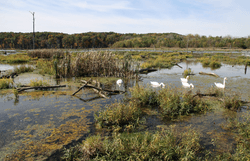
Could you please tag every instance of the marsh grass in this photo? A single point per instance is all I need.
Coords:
(173, 103)
(96, 64)
(232, 102)
(46, 53)
(36, 83)
(23, 69)
(119, 115)
(165, 144)
(241, 128)
(187, 72)
(6, 83)
(15, 58)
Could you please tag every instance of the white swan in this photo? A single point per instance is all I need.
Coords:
(185, 84)
(185, 79)
(119, 82)
(219, 85)
(156, 84)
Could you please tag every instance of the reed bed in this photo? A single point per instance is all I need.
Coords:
(97, 64)
(46, 53)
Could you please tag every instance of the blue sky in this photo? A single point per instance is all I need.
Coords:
(202, 17)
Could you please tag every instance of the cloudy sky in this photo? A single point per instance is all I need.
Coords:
(203, 17)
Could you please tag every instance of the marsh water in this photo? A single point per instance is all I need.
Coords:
(34, 116)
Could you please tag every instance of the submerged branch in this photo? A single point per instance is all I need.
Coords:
(40, 87)
(212, 74)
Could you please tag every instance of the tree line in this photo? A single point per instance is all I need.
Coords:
(53, 40)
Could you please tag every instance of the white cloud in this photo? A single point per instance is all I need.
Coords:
(127, 17)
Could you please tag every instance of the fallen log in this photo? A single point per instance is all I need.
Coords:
(99, 90)
(212, 74)
(201, 95)
(79, 89)
(40, 87)
(147, 70)
(177, 65)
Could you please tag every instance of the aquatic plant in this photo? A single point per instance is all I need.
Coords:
(241, 128)
(165, 144)
(46, 53)
(23, 69)
(232, 102)
(173, 103)
(15, 58)
(143, 96)
(6, 83)
(118, 115)
(187, 72)
(36, 82)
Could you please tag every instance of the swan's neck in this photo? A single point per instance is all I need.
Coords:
(224, 82)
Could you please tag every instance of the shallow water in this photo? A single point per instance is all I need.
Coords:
(35, 115)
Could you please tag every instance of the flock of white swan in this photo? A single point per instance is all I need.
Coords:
(184, 82)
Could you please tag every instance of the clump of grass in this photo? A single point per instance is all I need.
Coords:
(6, 83)
(173, 103)
(46, 67)
(143, 96)
(118, 115)
(15, 58)
(232, 103)
(23, 69)
(187, 72)
(36, 83)
(167, 144)
(215, 64)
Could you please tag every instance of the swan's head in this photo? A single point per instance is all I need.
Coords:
(163, 85)
(191, 85)
(187, 77)
(225, 78)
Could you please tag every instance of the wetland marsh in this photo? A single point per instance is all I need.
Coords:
(37, 124)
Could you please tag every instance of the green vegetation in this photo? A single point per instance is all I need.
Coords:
(15, 58)
(23, 69)
(88, 64)
(46, 53)
(166, 144)
(6, 83)
(35, 83)
(173, 103)
(163, 144)
(214, 60)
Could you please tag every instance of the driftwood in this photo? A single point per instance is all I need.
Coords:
(177, 65)
(98, 89)
(12, 75)
(147, 70)
(212, 74)
(40, 87)
(201, 95)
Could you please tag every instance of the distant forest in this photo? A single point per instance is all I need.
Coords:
(52, 40)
